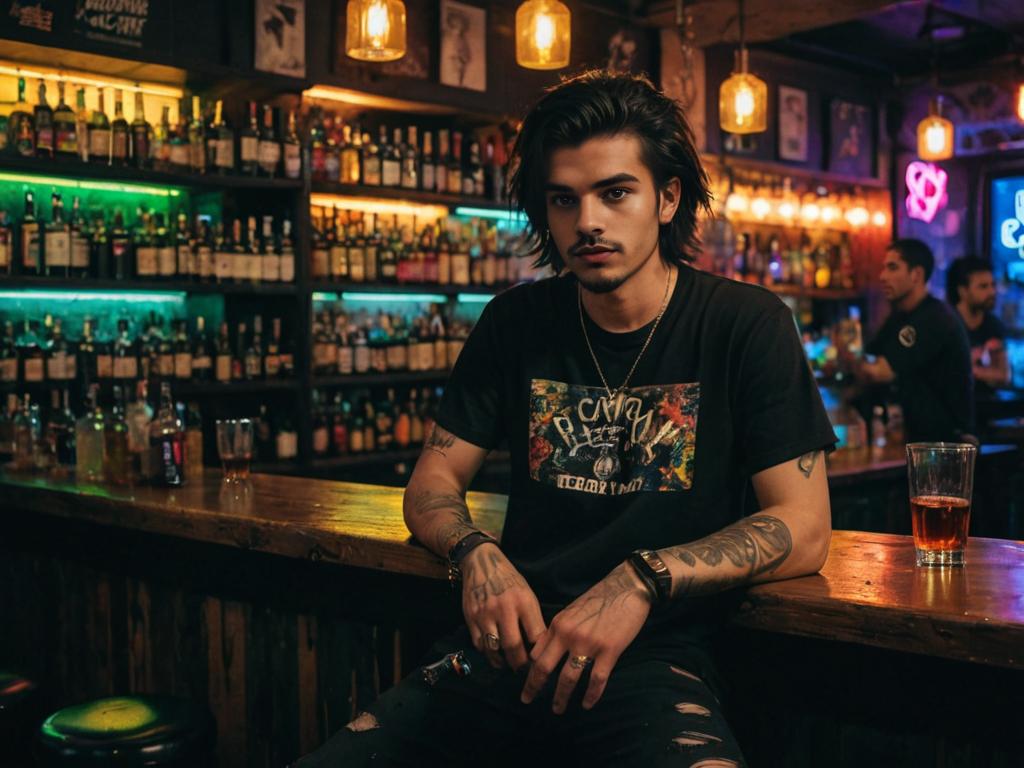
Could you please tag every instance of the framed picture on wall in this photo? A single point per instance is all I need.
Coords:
(280, 37)
(463, 46)
(792, 124)
(851, 148)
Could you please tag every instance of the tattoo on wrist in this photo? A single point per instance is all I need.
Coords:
(439, 441)
(806, 463)
(756, 545)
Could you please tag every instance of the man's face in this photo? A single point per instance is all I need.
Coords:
(603, 210)
(897, 279)
(980, 293)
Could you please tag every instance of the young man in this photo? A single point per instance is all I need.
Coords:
(921, 350)
(640, 398)
(971, 288)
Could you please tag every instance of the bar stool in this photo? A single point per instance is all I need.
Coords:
(128, 731)
(18, 715)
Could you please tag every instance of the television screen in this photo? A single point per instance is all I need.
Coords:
(1007, 227)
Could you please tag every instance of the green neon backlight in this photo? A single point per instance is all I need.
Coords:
(475, 298)
(487, 213)
(130, 297)
(103, 186)
(411, 298)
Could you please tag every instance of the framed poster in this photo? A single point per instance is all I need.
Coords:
(851, 148)
(280, 37)
(463, 46)
(792, 124)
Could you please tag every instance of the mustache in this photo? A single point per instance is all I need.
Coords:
(594, 243)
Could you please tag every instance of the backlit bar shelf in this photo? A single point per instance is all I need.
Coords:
(88, 284)
(375, 379)
(424, 289)
(75, 172)
(825, 294)
(406, 195)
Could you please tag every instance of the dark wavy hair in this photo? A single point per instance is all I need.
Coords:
(598, 103)
(958, 275)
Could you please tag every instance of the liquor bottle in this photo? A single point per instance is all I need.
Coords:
(269, 147)
(61, 431)
(317, 146)
(193, 441)
(65, 130)
(179, 158)
(238, 359)
(270, 259)
(6, 245)
(204, 254)
(126, 361)
(139, 416)
(455, 165)
(428, 179)
(410, 160)
(8, 356)
(31, 238)
(99, 133)
(120, 248)
(43, 119)
(117, 460)
(142, 133)
(254, 352)
(80, 245)
(24, 440)
(332, 154)
(196, 139)
(356, 253)
(220, 143)
(391, 158)
(185, 257)
(160, 146)
(239, 255)
(164, 343)
(371, 162)
(339, 426)
(249, 140)
(350, 171)
(253, 258)
(57, 240)
(81, 126)
(321, 433)
(286, 353)
(286, 440)
(89, 448)
(166, 255)
(320, 253)
(292, 150)
(145, 249)
(338, 250)
(476, 171)
(119, 132)
(287, 253)
(86, 353)
(167, 438)
(182, 353)
(104, 360)
(21, 132)
(441, 163)
(62, 363)
(202, 354)
(222, 361)
(222, 255)
(272, 354)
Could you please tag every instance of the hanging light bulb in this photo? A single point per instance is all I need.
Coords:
(743, 97)
(375, 30)
(935, 134)
(1020, 101)
(543, 34)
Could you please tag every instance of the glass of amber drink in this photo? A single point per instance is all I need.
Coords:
(234, 444)
(941, 479)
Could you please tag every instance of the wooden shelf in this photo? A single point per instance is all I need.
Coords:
(71, 168)
(256, 386)
(93, 284)
(374, 379)
(794, 171)
(446, 290)
(406, 195)
(819, 294)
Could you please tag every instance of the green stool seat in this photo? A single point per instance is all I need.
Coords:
(128, 731)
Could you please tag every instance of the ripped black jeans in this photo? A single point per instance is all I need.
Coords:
(657, 710)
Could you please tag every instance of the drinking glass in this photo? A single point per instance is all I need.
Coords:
(941, 477)
(234, 444)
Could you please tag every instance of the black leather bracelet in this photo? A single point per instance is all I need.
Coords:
(463, 547)
(653, 569)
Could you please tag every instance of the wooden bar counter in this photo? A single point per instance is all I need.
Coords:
(266, 599)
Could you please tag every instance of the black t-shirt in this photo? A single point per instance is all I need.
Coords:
(990, 329)
(723, 392)
(928, 351)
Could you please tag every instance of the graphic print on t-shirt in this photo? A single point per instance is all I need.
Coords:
(642, 440)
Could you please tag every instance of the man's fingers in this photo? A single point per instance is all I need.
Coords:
(512, 642)
(543, 665)
(533, 623)
(598, 681)
(490, 645)
(566, 685)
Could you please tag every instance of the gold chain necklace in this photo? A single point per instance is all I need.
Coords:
(586, 337)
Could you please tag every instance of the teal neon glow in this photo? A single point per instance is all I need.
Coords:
(129, 297)
(475, 298)
(486, 213)
(410, 298)
(103, 186)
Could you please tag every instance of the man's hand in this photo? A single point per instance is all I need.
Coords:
(497, 601)
(599, 624)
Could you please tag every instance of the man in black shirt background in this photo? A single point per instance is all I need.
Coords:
(971, 288)
(921, 350)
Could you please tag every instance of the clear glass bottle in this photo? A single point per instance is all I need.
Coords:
(89, 444)
(117, 460)
(139, 415)
(167, 438)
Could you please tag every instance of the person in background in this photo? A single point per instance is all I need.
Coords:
(921, 350)
(971, 288)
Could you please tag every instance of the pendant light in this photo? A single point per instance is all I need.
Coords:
(543, 34)
(743, 98)
(935, 134)
(1020, 102)
(375, 30)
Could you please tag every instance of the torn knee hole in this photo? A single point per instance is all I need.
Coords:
(364, 722)
(695, 739)
(690, 708)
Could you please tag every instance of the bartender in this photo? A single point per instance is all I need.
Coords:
(921, 351)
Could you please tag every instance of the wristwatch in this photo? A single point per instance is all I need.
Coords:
(652, 569)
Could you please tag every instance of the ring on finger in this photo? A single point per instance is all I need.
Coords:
(492, 641)
(580, 661)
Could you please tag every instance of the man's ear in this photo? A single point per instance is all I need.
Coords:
(668, 200)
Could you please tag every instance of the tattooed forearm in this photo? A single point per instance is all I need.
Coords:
(439, 441)
(450, 530)
(736, 554)
(806, 462)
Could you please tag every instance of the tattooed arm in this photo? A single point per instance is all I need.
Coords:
(496, 600)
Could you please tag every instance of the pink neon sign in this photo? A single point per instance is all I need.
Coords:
(926, 190)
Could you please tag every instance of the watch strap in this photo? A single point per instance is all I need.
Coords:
(462, 548)
(652, 569)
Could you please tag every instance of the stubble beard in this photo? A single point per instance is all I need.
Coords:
(599, 284)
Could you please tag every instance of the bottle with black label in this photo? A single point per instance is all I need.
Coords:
(269, 149)
(142, 133)
(31, 240)
(249, 144)
(44, 124)
(167, 439)
(80, 245)
(119, 132)
(57, 241)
